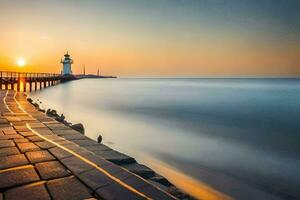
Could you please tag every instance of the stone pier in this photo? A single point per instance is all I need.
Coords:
(41, 158)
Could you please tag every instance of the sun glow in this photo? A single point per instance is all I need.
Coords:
(21, 62)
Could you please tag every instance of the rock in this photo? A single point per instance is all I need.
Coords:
(60, 118)
(29, 100)
(41, 110)
(99, 139)
(78, 127)
(52, 113)
(35, 105)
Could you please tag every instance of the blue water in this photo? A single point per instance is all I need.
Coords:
(240, 136)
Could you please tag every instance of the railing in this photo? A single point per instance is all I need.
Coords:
(19, 80)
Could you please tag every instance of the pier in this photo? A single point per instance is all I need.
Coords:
(41, 158)
(24, 81)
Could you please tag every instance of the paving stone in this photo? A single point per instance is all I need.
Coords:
(7, 137)
(95, 179)
(27, 146)
(116, 157)
(135, 181)
(140, 170)
(17, 176)
(21, 128)
(155, 193)
(77, 136)
(60, 153)
(98, 147)
(13, 161)
(6, 143)
(39, 156)
(35, 139)
(68, 188)
(28, 192)
(44, 131)
(52, 170)
(65, 132)
(12, 119)
(76, 165)
(23, 140)
(85, 142)
(111, 168)
(45, 145)
(116, 191)
(9, 151)
(27, 133)
(10, 132)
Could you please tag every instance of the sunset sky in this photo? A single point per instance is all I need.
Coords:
(153, 37)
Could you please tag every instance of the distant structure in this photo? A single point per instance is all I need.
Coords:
(83, 69)
(98, 72)
(67, 62)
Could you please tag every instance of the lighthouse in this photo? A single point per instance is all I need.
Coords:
(67, 62)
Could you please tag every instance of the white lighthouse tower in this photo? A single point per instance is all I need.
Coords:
(67, 62)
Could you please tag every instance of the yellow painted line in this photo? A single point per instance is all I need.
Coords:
(4, 101)
(16, 168)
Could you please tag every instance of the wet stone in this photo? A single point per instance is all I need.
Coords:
(68, 188)
(60, 153)
(116, 191)
(13, 161)
(52, 170)
(28, 192)
(95, 179)
(39, 156)
(76, 165)
(6, 143)
(27, 146)
(45, 145)
(15, 177)
(9, 151)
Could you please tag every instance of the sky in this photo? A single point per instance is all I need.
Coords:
(153, 37)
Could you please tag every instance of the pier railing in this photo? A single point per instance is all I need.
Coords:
(23, 81)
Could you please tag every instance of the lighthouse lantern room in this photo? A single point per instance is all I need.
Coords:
(67, 62)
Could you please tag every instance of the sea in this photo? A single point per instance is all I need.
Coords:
(237, 136)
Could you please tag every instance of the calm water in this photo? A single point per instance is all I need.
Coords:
(239, 136)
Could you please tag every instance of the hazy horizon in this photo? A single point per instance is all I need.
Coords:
(153, 38)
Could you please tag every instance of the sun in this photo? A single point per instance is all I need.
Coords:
(21, 62)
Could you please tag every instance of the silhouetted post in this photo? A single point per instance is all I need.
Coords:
(1, 82)
(30, 83)
(19, 82)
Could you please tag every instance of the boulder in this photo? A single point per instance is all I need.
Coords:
(78, 127)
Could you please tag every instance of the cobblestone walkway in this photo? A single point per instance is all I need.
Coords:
(39, 159)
